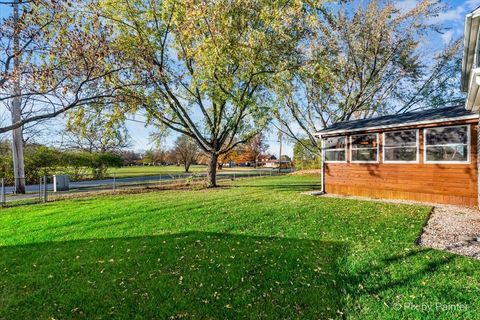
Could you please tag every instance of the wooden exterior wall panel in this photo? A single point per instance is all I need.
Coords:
(438, 183)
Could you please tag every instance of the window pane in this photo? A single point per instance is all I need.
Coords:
(364, 155)
(364, 141)
(401, 138)
(335, 155)
(334, 143)
(449, 135)
(401, 154)
(450, 153)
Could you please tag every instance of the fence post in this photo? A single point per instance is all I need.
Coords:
(45, 189)
(40, 189)
(114, 180)
(3, 200)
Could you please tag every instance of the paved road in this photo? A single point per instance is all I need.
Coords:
(32, 190)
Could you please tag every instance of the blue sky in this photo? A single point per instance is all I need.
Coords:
(452, 18)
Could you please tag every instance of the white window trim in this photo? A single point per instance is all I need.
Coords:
(378, 149)
(335, 161)
(469, 146)
(400, 161)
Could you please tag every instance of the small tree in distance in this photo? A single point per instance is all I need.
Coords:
(186, 151)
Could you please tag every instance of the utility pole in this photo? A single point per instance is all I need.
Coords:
(16, 107)
(280, 138)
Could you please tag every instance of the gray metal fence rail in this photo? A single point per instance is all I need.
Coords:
(42, 192)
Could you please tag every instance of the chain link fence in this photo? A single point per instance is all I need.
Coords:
(44, 190)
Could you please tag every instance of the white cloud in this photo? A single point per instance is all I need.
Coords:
(447, 36)
(406, 5)
(454, 15)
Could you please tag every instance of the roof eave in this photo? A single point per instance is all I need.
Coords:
(470, 41)
(472, 102)
(319, 134)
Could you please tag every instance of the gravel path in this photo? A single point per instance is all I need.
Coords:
(454, 229)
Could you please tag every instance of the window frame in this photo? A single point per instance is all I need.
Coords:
(378, 148)
(325, 149)
(417, 145)
(469, 145)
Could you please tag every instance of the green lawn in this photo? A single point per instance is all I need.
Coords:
(125, 172)
(256, 249)
(136, 171)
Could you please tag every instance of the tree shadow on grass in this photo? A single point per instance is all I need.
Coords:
(413, 285)
(189, 275)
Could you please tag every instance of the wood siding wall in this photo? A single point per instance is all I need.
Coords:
(438, 183)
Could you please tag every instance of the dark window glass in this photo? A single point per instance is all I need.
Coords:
(364, 147)
(364, 141)
(334, 143)
(334, 155)
(400, 146)
(405, 138)
(448, 135)
(447, 153)
(364, 155)
(335, 149)
(447, 144)
(401, 154)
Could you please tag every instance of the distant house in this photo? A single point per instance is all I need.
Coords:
(263, 159)
(285, 164)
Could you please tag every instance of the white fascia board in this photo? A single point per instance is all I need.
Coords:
(472, 24)
(466, 46)
(400, 125)
(473, 95)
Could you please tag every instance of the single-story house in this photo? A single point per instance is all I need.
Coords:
(264, 158)
(428, 156)
(285, 164)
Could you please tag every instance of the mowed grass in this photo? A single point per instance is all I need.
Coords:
(255, 249)
(137, 171)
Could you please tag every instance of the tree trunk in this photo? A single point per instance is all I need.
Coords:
(212, 170)
(18, 161)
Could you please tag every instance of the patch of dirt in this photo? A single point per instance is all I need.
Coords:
(454, 229)
(306, 172)
(395, 201)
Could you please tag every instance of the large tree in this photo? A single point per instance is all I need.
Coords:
(365, 60)
(53, 58)
(208, 65)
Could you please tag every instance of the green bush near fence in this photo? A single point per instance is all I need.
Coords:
(45, 161)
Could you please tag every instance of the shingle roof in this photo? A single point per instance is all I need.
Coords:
(400, 120)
